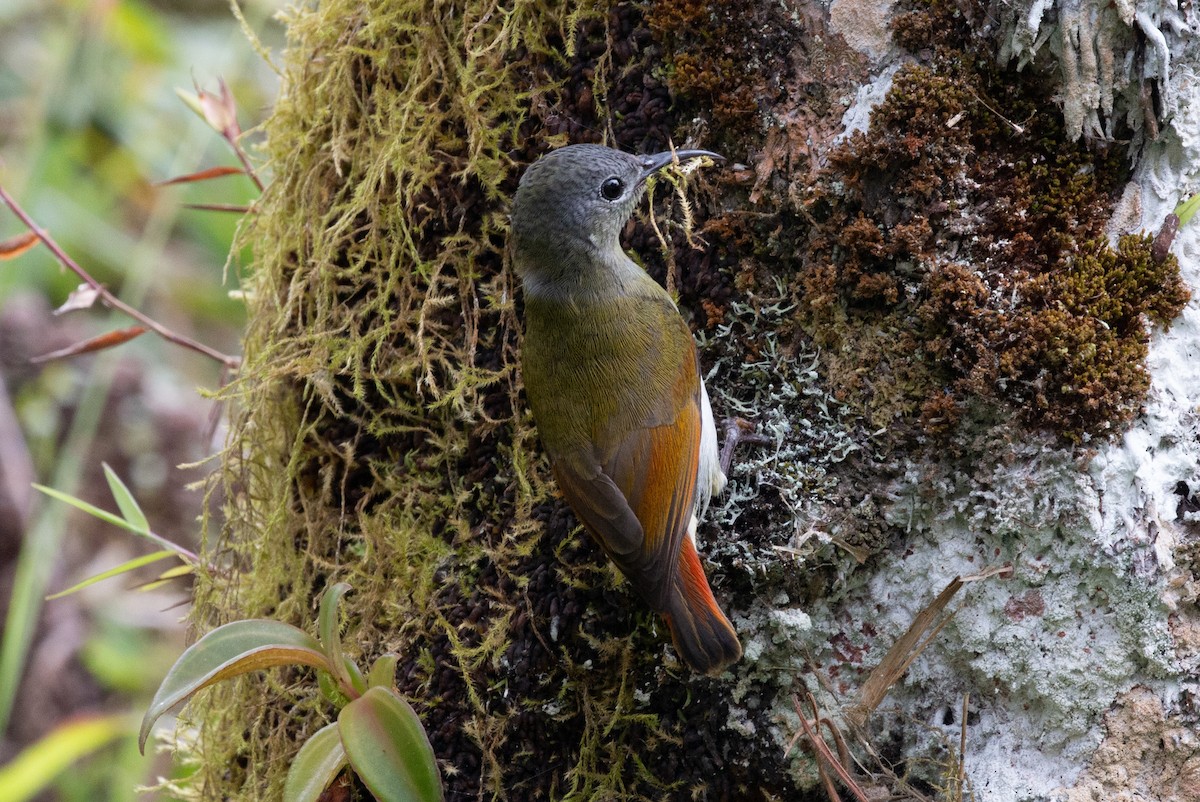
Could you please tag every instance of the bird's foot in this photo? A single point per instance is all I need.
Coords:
(738, 431)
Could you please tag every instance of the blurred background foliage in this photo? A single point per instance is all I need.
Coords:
(90, 123)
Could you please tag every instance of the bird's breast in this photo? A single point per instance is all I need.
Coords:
(595, 370)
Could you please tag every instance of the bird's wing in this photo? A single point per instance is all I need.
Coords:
(599, 504)
(638, 499)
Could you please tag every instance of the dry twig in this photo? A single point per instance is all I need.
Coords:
(230, 362)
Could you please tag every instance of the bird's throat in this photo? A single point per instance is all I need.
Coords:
(579, 272)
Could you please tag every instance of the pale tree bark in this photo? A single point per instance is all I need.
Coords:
(960, 369)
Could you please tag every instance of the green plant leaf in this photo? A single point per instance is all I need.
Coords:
(176, 572)
(331, 690)
(388, 748)
(125, 501)
(329, 631)
(327, 622)
(166, 576)
(90, 509)
(128, 565)
(1187, 210)
(33, 769)
(357, 681)
(383, 671)
(317, 763)
(116, 520)
(235, 648)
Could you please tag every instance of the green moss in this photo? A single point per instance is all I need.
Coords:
(379, 370)
(381, 436)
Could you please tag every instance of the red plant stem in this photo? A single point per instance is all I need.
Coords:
(111, 300)
(217, 207)
(245, 160)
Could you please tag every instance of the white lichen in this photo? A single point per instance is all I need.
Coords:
(869, 95)
(1107, 55)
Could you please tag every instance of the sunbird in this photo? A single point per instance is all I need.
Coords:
(613, 379)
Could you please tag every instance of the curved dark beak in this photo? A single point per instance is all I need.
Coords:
(655, 162)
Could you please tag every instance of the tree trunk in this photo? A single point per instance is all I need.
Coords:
(908, 275)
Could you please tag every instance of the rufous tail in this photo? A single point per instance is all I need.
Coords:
(702, 634)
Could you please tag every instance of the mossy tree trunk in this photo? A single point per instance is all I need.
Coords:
(925, 318)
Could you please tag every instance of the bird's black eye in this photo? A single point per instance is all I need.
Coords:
(612, 188)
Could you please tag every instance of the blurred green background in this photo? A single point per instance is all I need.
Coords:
(89, 123)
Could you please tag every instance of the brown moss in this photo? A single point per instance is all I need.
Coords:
(724, 60)
(1050, 320)
(941, 412)
(1076, 356)
(920, 26)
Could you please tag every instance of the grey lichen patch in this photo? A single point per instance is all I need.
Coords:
(1040, 651)
(1113, 59)
(782, 485)
(793, 518)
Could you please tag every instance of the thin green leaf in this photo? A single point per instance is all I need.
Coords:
(227, 651)
(176, 572)
(166, 576)
(329, 630)
(388, 748)
(1186, 210)
(115, 520)
(128, 565)
(90, 509)
(317, 764)
(383, 671)
(125, 500)
(32, 770)
(233, 208)
(152, 585)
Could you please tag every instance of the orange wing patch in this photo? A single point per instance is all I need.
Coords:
(639, 505)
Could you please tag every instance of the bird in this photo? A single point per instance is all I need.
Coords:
(612, 377)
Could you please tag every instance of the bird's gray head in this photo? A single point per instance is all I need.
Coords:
(575, 200)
